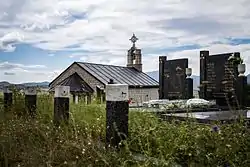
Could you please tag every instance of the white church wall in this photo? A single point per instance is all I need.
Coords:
(140, 95)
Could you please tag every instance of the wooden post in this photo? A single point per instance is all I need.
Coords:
(8, 99)
(30, 100)
(61, 104)
(117, 108)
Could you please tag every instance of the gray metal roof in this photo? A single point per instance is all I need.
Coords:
(120, 74)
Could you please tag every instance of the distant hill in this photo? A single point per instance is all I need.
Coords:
(24, 85)
(43, 84)
(155, 75)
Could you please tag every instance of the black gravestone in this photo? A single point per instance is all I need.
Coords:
(8, 100)
(172, 78)
(116, 115)
(218, 77)
(61, 105)
(248, 95)
(189, 88)
(162, 61)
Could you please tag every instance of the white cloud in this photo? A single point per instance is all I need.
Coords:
(8, 41)
(51, 55)
(28, 74)
(74, 55)
(103, 27)
(109, 23)
(5, 66)
(9, 73)
(194, 55)
(17, 73)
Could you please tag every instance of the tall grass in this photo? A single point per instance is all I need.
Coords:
(36, 142)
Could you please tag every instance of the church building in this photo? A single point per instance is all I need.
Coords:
(89, 79)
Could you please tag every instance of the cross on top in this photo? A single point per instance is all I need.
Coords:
(133, 39)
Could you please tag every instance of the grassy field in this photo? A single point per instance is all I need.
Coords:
(26, 142)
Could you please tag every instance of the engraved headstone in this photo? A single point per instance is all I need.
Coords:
(218, 77)
(173, 78)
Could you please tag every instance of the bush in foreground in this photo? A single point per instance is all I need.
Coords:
(36, 142)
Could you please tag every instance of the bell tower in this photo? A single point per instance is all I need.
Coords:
(134, 55)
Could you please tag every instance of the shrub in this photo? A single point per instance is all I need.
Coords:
(151, 141)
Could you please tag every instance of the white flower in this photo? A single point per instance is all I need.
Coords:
(83, 151)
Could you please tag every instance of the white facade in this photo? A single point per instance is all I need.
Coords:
(140, 95)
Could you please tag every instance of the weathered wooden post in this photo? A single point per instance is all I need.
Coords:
(189, 83)
(30, 100)
(241, 90)
(61, 104)
(117, 108)
(8, 98)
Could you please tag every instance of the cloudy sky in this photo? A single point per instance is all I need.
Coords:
(40, 38)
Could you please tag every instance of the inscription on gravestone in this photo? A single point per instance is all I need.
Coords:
(218, 75)
(173, 78)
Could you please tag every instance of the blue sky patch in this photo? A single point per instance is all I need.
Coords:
(238, 41)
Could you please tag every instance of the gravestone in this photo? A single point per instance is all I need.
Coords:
(31, 100)
(117, 109)
(8, 98)
(172, 78)
(218, 77)
(61, 104)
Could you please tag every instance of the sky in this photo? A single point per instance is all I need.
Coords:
(41, 38)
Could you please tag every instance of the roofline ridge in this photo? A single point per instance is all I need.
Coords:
(122, 67)
(103, 64)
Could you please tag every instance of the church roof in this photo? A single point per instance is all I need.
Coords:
(120, 74)
(76, 83)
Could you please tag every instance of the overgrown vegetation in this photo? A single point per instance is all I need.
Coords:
(36, 142)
